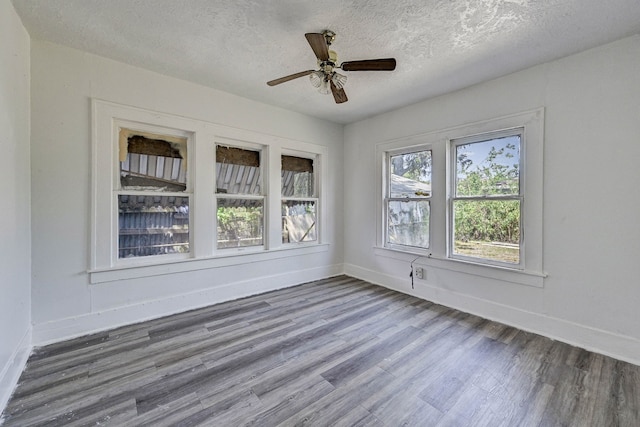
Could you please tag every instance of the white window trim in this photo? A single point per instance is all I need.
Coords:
(117, 190)
(531, 272)
(104, 265)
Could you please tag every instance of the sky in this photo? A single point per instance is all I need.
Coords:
(478, 152)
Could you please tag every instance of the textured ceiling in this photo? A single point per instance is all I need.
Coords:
(238, 45)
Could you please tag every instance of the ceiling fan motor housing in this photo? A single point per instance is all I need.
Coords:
(328, 65)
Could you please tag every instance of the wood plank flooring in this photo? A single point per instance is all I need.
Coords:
(336, 352)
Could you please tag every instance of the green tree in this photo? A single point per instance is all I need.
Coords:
(490, 220)
(416, 166)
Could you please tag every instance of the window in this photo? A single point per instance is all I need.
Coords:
(299, 199)
(486, 198)
(153, 202)
(173, 194)
(240, 202)
(408, 199)
(467, 199)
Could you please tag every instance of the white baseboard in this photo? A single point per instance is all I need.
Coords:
(11, 371)
(58, 330)
(618, 346)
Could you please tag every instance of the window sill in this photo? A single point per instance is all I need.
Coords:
(521, 277)
(191, 264)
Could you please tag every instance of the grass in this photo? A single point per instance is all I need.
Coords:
(496, 251)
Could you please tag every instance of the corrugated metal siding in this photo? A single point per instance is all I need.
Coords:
(168, 169)
(238, 179)
(152, 225)
(155, 225)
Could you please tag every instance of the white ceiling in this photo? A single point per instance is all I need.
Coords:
(238, 45)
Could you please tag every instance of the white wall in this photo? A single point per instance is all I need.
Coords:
(64, 303)
(15, 240)
(591, 233)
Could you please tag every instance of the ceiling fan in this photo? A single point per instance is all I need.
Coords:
(326, 79)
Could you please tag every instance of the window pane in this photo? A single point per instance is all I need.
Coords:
(240, 223)
(238, 171)
(152, 225)
(488, 168)
(298, 221)
(149, 164)
(488, 229)
(297, 177)
(408, 223)
(410, 174)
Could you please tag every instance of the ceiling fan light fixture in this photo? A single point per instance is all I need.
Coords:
(320, 81)
(325, 87)
(316, 78)
(339, 80)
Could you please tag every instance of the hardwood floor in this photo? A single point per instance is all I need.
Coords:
(338, 352)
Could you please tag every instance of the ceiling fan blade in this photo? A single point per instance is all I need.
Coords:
(338, 94)
(290, 77)
(318, 43)
(386, 64)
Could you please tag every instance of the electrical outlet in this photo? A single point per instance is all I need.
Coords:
(419, 273)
